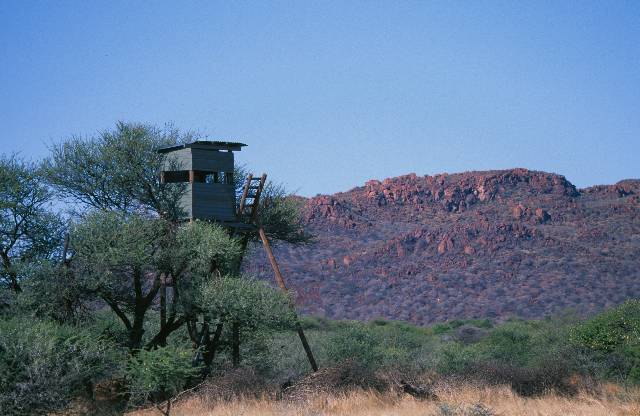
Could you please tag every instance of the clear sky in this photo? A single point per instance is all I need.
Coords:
(331, 94)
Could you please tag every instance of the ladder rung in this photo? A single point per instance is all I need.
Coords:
(249, 202)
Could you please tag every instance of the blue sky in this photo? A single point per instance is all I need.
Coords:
(331, 94)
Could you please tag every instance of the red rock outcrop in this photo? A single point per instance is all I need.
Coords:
(466, 245)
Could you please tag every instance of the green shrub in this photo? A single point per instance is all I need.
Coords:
(510, 343)
(439, 329)
(613, 337)
(314, 322)
(443, 328)
(373, 345)
(157, 375)
(611, 329)
(251, 302)
(355, 343)
(43, 365)
(454, 358)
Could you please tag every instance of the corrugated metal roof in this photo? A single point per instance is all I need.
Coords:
(204, 144)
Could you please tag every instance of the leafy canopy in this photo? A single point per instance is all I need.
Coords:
(252, 302)
(121, 259)
(28, 229)
(117, 169)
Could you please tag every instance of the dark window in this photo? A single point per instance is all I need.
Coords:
(175, 176)
(210, 177)
(201, 176)
(205, 176)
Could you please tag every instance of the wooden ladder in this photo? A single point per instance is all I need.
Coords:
(250, 198)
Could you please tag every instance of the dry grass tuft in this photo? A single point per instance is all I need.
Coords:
(453, 401)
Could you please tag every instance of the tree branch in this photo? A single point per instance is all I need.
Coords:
(162, 335)
(114, 306)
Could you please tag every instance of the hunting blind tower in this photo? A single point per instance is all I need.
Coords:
(207, 169)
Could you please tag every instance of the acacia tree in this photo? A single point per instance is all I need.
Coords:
(123, 259)
(117, 170)
(28, 229)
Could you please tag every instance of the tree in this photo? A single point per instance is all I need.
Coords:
(28, 230)
(246, 302)
(252, 302)
(50, 291)
(124, 259)
(117, 170)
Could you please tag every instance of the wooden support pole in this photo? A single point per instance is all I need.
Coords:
(283, 286)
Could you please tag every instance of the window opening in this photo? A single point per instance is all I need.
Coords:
(175, 176)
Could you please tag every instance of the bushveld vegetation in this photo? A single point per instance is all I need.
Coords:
(112, 306)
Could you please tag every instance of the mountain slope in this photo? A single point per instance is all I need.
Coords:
(474, 244)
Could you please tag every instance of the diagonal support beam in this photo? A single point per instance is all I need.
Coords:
(283, 286)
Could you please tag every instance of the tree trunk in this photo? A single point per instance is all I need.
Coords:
(137, 330)
(212, 346)
(163, 306)
(236, 343)
(13, 277)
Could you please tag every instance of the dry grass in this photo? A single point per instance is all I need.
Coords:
(612, 401)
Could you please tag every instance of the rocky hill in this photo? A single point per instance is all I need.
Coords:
(468, 245)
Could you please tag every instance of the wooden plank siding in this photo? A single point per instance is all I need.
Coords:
(198, 159)
(213, 201)
(208, 201)
(177, 160)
